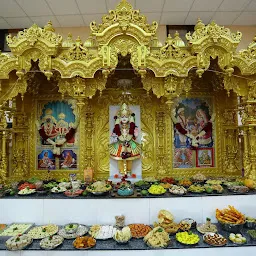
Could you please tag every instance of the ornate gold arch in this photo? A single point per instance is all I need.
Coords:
(125, 31)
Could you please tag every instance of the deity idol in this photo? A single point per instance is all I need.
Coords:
(48, 124)
(124, 148)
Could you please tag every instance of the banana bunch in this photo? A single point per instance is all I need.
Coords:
(123, 235)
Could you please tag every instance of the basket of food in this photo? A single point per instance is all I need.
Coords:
(250, 222)
(230, 219)
(99, 187)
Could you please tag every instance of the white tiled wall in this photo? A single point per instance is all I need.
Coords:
(143, 210)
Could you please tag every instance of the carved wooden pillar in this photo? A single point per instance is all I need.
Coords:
(248, 114)
(160, 143)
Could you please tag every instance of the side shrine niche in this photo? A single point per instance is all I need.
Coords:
(122, 103)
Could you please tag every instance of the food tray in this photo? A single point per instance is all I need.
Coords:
(26, 230)
(215, 245)
(81, 231)
(19, 249)
(87, 248)
(53, 246)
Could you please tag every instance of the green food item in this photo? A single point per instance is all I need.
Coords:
(208, 190)
(12, 193)
(33, 180)
(84, 193)
(252, 233)
(144, 192)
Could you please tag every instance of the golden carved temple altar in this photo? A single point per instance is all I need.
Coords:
(43, 67)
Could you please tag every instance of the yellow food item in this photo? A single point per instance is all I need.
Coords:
(156, 190)
(249, 183)
(157, 238)
(187, 238)
(230, 215)
(84, 242)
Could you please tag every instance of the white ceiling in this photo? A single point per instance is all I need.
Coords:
(76, 13)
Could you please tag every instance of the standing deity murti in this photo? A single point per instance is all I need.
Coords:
(124, 147)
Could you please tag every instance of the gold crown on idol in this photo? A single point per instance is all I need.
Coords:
(124, 110)
(48, 111)
(61, 116)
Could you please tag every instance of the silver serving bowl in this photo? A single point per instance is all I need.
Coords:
(250, 224)
(73, 229)
(232, 228)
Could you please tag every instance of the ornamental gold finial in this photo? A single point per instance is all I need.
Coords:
(199, 24)
(49, 27)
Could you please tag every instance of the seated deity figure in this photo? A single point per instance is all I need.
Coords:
(48, 124)
(124, 147)
(62, 125)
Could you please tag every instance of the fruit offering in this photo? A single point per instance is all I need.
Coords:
(26, 185)
(185, 183)
(26, 191)
(230, 216)
(252, 234)
(102, 232)
(58, 189)
(150, 179)
(41, 232)
(199, 177)
(208, 227)
(196, 189)
(156, 190)
(139, 230)
(211, 188)
(239, 189)
(237, 238)
(81, 230)
(215, 239)
(123, 236)
(15, 229)
(214, 182)
(84, 242)
(165, 185)
(73, 192)
(169, 180)
(18, 242)
(187, 238)
(142, 184)
(51, 242)
(157, 238)
(177, 190)
(99, 187)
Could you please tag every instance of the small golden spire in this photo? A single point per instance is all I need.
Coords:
(49, 26)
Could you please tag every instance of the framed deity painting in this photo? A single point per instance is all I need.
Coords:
(194, 139)
(204, 157)
(57, 135)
